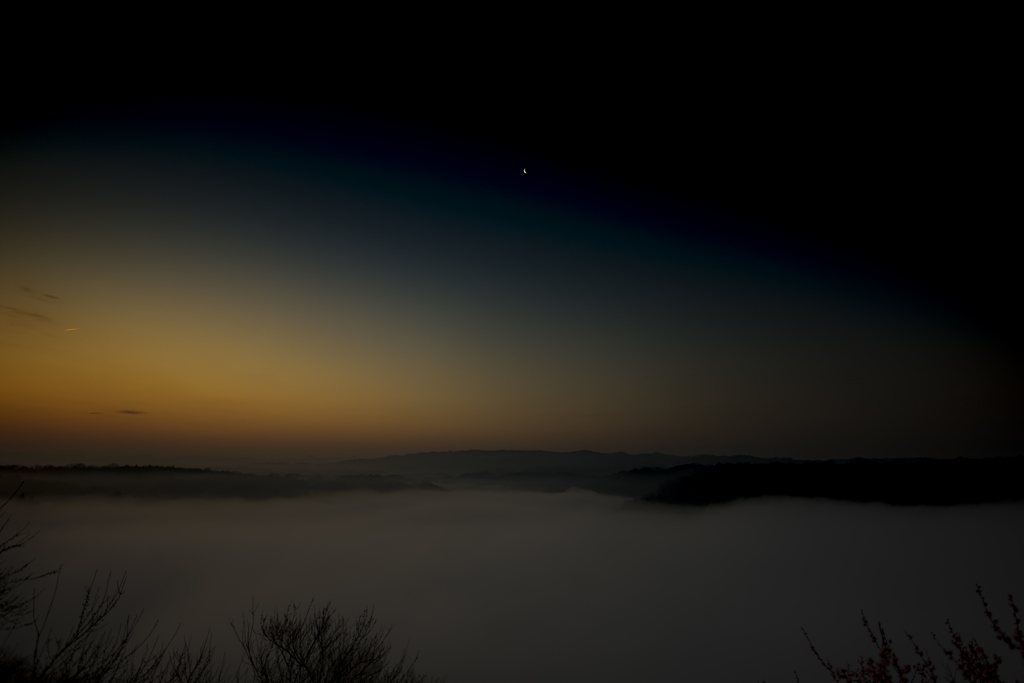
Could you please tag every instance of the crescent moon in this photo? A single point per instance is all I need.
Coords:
(524, 171)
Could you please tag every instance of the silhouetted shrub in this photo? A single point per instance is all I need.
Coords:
(317, 646)
(314, 646)
(14, 603)
(965, 660)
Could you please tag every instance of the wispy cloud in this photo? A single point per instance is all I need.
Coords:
(41, 296)
(132, 412)
(19, 313)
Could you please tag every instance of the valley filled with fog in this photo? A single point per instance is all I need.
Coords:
(514, 585)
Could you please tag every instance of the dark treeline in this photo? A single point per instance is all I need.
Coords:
(114, 468)
(131, 480)
(633, 483)
(897, 482)
(698, 480)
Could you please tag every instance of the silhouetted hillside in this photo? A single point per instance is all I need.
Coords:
(695, 480)
(631, 483)
(897, 482)
(459, 463)
(620, 474)
(114, 480)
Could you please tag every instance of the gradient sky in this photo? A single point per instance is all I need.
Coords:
(207, 289)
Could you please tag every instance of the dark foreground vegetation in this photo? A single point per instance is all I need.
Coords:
(300, 645)
(962, 660)
(897, 482)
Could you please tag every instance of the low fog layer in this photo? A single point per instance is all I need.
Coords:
(900, 482)
(512, 586)
(456, 463)
(170, 482)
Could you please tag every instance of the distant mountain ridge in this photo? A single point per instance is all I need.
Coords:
(910, 481)
(457, 463)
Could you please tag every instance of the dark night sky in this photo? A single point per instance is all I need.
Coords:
(878, 146)
(799, 256)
